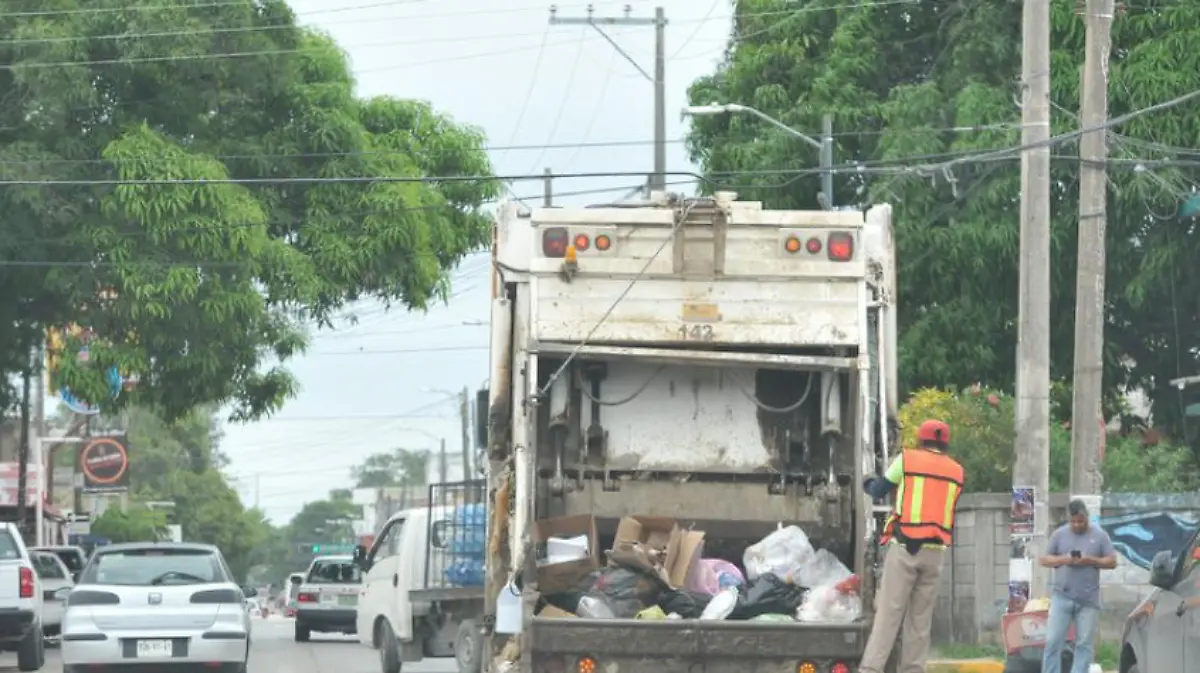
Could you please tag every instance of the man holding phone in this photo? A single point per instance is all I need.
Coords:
(1077, 551)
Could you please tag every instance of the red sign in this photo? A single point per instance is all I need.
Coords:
(104, 463)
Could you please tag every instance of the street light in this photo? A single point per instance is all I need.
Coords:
(825, 145)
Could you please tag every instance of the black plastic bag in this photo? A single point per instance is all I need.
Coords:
(767, 595)
(686, 604)
(626, 592)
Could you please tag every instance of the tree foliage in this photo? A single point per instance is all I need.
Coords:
(191, 287)
(135, 524)
(399, 467)
(982, 437)
(898, 78)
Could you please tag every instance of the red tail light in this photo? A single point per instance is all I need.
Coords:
(307, 598)
(26, 583)
(840, 667)
(840, 246)
(554, 242)
(582, 242)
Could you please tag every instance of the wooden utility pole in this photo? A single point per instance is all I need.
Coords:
(1032, 450)
(464, 411)
(1086, 411)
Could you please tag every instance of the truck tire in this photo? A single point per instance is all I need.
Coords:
(31, 652)
(303, 633)
(468, 647)
(389, 649)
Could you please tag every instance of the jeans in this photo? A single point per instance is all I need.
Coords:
(1064, 611)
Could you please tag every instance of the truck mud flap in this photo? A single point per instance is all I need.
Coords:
(694, 639)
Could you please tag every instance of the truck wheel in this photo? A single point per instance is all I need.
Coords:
(31, 653)
(303, 633)
(389, 649)
(468, 650)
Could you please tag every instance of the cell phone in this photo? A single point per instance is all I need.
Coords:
(1076, 554)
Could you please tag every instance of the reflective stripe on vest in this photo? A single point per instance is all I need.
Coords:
(933, 483)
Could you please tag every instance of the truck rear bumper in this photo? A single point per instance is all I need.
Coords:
(689, 646)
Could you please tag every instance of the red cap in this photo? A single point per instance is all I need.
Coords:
(934, 432)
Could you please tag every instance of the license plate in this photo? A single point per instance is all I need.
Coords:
(348, 599)
(154, 649)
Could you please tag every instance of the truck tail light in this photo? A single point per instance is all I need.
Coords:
(840, 246)
(806, 667)
(26, 581)
(582, 242)
(585, 665)
(555, 241)
(840, 667)
(306, 598)
(792, 244)
(813, 246)
(603, 242)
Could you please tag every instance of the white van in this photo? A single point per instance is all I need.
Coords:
(421, 600)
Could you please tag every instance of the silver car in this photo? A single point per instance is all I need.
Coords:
(156, 605)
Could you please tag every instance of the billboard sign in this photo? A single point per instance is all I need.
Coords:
(104, 465)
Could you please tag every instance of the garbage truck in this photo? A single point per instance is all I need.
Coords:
(679, 384)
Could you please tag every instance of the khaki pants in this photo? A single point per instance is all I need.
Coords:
(907, 596)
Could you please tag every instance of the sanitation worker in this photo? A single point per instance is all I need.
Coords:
(928, 483)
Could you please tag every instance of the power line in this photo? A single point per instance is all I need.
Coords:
(41, 13)
(566, 97)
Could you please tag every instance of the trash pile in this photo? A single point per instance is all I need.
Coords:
(656, 570)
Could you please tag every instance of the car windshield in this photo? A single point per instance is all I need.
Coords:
(335, 572)
(71, 558)
(158, 566)
(47, 567)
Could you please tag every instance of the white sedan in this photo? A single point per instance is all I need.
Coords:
(161, 603)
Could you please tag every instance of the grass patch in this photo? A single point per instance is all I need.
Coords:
(1107, 654)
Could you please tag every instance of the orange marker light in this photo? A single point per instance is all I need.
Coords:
(603, 242)
(582, 242)
(586, 665)
(792, 244)
(806, 667)
(571, 255)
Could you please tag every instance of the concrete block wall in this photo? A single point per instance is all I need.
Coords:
(974, 590)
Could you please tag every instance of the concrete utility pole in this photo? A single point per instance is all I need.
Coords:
(548, 188)
(465, 411)
(1032, 450)
(1086, 410)
(659, 179)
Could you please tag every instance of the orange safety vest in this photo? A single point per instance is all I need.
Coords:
(932, 484)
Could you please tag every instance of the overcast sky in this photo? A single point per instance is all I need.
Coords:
(497, 65)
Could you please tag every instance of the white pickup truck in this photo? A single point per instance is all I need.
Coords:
(20, 602)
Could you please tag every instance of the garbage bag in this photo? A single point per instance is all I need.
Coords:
(772, 617)
(827, 603)
(686, 604)
(783, 553)
(626, 591)
(710, 575)
(767, 595)
(821, 569)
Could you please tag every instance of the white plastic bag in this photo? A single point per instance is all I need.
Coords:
(822, 568)
(784, 553)
(826, 604)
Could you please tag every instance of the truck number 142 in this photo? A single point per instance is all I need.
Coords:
(696, 332)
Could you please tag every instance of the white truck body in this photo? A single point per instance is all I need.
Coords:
(657, 359)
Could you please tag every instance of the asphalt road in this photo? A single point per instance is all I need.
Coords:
(274, 651)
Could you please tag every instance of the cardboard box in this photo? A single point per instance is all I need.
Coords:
(555, 578)
(551, 611)
(657, 544)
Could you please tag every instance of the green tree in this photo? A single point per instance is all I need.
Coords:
(135, 524)
(195, 288)
(399, 467)
(896, 77)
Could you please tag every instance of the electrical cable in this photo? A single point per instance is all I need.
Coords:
(624, 400)
(781, 410)
(533, 80)
(591, 123)
(566, 97)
